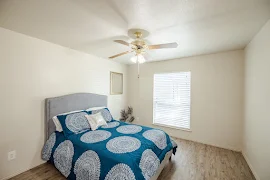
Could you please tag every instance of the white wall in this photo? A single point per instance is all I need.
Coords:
(217, 82)
(32, 70)
(256, 139)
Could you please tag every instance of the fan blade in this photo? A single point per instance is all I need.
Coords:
(122, 42)
(161, 46)
(120, 54)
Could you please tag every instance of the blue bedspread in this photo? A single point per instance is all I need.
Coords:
(117, 151)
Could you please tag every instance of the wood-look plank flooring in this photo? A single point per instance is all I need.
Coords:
(193, 161)
(196, 161)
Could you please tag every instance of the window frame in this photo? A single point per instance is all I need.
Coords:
(171, 126)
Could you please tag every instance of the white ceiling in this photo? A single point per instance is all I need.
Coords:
(198, 26)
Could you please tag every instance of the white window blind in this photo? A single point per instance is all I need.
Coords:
(172, 99)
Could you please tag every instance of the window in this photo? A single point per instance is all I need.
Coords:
(172, 100)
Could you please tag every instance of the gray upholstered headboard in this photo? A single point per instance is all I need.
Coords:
(67, 103)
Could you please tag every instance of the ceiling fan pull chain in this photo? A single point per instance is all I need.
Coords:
(138, 64)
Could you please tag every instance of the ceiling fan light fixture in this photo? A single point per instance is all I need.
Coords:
(133, 59)
(138, 58)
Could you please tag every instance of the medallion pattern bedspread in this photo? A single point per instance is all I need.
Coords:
(116, 151)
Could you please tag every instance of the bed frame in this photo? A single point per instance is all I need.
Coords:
(80, 101)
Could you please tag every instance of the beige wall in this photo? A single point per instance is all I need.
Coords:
(216, 96)
(32, 70)
(256, 139)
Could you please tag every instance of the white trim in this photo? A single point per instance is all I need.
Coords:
(209, 144)
(173, 127)
(250, 166)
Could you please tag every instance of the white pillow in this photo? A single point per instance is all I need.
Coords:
(57, 122)
(95, 108)
(95, 120)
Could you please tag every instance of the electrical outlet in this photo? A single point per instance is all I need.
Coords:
(137, 118)
(11, 155)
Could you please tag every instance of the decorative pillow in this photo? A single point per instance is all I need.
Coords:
(95, 120)
(74, 123)
(58, 124)
(104, 112)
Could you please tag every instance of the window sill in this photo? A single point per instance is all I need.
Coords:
(172, 127)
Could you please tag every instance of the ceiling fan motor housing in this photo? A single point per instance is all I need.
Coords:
(139, 46)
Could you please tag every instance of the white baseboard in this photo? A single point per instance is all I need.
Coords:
(250, 166)
(19, 172)
(232, 149)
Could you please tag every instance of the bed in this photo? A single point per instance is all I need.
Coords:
(116, 151)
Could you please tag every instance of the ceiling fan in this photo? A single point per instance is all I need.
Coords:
(139, 46)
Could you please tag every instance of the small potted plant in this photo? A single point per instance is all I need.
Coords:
(126, 115)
